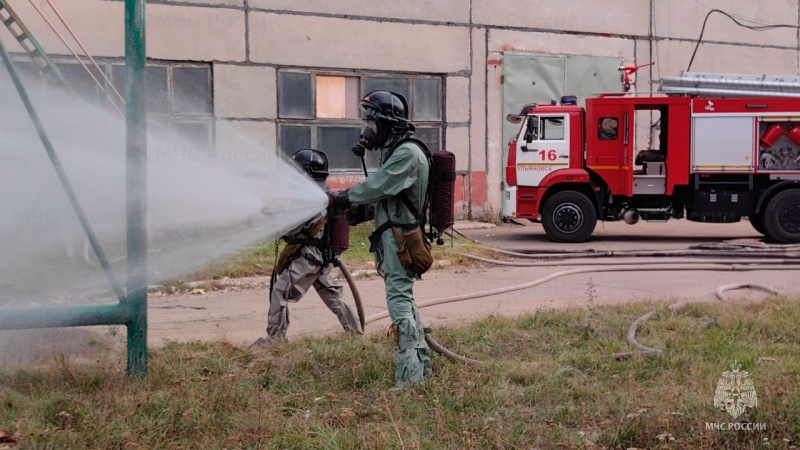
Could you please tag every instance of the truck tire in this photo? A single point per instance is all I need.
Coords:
(569, 216)
(757, 221)
(782, 217)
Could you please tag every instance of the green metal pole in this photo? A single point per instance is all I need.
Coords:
(136, 181)
(75, 316)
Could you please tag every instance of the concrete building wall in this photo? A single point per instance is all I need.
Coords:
(357, 44)
(463, 42)
(615, 17)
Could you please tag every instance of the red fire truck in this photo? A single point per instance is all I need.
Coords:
(707, 147)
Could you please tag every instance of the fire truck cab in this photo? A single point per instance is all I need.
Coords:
(713, 155)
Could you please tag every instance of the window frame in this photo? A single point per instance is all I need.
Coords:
(103, 101)
(601, 136)
(314, 123)
(541, 129)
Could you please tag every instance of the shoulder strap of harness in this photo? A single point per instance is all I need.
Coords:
(375, 237)
(420, 218)
(309, 238)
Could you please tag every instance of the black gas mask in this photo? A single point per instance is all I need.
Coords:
(371, 137)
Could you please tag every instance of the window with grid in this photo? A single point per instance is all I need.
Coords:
(179, 98)
(320, 110)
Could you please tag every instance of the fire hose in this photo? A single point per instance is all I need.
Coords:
(437, 347)
(643, 350)
(617, 266)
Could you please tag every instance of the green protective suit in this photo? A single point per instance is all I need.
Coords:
(405, 170)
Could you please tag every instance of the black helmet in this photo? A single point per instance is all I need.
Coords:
(388, 104)
(389, 122)
(313, 162)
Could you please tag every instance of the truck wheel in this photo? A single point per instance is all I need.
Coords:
(569, 216)
(757, 221)
(782, 217)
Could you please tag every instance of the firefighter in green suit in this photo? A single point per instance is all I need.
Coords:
(403, 173)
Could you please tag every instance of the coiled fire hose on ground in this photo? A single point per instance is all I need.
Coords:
(643, 350)
(728, 264)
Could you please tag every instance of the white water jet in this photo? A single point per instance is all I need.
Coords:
(201, 205)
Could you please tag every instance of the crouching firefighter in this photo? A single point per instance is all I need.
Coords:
(398, 191)
(306, 261)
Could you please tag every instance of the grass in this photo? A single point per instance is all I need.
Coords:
(549, 383)
(258, 260)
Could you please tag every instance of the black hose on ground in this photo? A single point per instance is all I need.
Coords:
(737, 253)
(789, 263)
(356, 296)
(440, 349)
(432, 343)
(643, 350)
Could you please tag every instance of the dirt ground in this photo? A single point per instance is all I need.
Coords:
(238, 314)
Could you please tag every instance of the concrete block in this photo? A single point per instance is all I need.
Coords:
(478, 100)
(439, 11)
(102, 31)
(195, 34)
(646, 74)
(244, 92)
(495, 151)
(620, 17)
(234, 3)
(458, 99)
(458, 143)
(673, 57)
(357, 44)
(508, 40)
(684, 19)
(245, 138)
(173, 32)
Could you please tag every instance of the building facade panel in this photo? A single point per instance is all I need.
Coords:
(494, 141)
(195, 33)
(683, 19)
(478, 100)
(244, 92)
(522, 41)
(212, 3)
(290, 72)
(259, 136)
(299, 40)
(674, 57)
(458, 143)
(458, 99)
(174, 32)
(616, 17)
(101, 31)
(456, 11)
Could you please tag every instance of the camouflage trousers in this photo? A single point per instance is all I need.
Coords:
(293, 283)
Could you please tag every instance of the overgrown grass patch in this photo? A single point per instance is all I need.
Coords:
(549, 382)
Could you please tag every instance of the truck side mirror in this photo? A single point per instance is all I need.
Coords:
(531, 131)
(513, 118)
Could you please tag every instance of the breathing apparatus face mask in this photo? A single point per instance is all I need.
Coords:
(370, 135)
